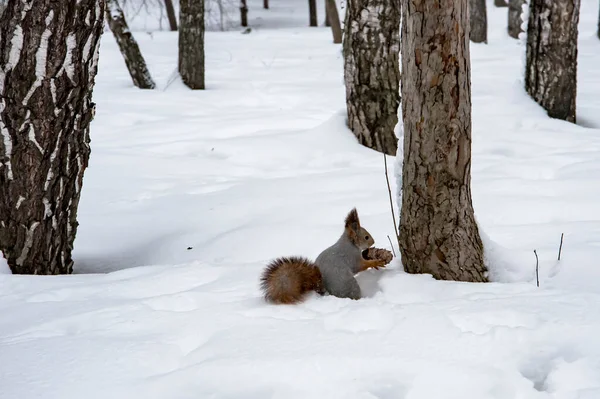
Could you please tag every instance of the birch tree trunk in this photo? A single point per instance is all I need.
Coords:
(438, 233)
(334, 20)
(551, 64)
(48, 64)
(515, 21)
(171, 14)
(191, 43)
(478, 19)
(371, 71)
(136, 65)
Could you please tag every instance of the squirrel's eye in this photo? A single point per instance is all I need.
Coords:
(366, 237)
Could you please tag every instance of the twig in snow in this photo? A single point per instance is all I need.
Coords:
(391, 203)
(393, 251)
(172, 78)
(560, 248)
(537, 273)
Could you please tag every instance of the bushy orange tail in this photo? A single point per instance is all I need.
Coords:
(286, 280)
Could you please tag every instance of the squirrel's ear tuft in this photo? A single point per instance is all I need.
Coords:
(352, 220)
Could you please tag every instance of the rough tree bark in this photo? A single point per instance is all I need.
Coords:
(312, 13)
(266, 4)
(243, 12)
(171, 14)
(136, 65)
(515, 21)
(191, 43)
(327, 22)
(438, 232)
(551, 63)
(500, 3)
(48, 64)
(371, 71)
(478, 19)
(334, 20)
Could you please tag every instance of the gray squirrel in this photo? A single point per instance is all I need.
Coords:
(287, 280)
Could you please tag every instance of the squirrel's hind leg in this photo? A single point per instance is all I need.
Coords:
(348, 289)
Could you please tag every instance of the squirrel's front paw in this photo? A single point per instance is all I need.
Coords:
(377, 264)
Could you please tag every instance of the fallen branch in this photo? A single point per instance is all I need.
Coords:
(560, 248)
(537, 273)
(391, 202)
(393, 251)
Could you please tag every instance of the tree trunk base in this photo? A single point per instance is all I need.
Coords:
(191, 43)
(551, 65)
(515, 12)
(372, 71)
(45, 121)
(438, 232)
(136, 64)
(312, 13)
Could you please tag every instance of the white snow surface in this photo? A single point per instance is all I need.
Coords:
(189, 194)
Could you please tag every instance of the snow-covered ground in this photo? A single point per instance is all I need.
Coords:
(188, 194)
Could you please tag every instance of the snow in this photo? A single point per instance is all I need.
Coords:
(189, 194)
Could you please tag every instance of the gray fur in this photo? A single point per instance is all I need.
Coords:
(339, 263)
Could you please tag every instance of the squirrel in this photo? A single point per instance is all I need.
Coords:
(288, 280)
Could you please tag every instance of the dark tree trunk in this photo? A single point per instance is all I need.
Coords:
(500, 3)
(478, 19)
(515, 17)
(334, 20)
(598, 31)
(48, 65)
(438, 233)
(191, 43)
(312, 12)
(551, 65)
(327, 22)
(129, 48)
(171, 14)
(371, 71)
(243, 13)
(266, 4)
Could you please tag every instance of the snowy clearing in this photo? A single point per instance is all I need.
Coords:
(189, 194)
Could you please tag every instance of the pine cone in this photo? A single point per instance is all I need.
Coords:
(378, 253)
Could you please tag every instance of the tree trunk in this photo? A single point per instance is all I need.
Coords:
(191, 43)
(500, 3)
(334, 20)
(243, 13)
(312, 12)
(551, 65)
(515, 20)
(438, 233)
(171, 14)
(129, 48)
(327, 22)
(478, 19)
(266, 4)
(598, 31)
(48, 65)
(371, 71)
